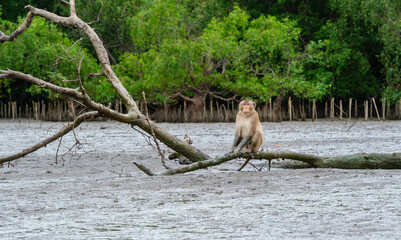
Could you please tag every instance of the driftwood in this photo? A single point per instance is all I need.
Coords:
(356, 161)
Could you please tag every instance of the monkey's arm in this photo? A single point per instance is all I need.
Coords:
(242, 143)
(235, 142)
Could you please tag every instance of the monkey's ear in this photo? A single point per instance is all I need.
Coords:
(254, 104)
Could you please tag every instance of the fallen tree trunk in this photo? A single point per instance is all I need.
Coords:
(363, 161)
(355, 161)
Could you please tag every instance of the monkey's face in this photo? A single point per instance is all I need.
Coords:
(247, 106)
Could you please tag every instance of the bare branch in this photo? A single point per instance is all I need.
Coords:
(73, 10)
(224, 99)
(192, 88)
(144, 169)
(54, 137)
(25, 25)
(62, 78)
(178, 94)
(153, 134)
(9, 74)
(257, 73)
(134, 116)
(67, 51)
(78, 66)
(101, 52)
(98, 15)
(65, 2)
(91, 75)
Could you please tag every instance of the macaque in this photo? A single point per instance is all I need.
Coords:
(248, 130)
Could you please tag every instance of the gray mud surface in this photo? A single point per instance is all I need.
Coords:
(97, 193)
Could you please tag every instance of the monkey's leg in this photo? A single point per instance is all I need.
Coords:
(244, 164)
(235, 142)
(242, 143)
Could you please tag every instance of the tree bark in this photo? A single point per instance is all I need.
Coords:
(355, 161)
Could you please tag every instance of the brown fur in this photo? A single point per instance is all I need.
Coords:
(247, 124)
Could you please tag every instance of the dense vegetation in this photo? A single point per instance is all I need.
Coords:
(191, 50)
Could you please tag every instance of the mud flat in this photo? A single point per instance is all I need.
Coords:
(96, 193)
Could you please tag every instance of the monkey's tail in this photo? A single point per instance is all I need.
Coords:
(244, 164)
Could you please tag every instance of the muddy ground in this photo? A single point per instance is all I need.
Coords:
(95, 192)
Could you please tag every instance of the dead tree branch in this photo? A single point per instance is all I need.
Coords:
(91, 75)
(101, 52)
(133, 117)
(66, 129)
(355, 161)
(16, 33)
(153, 133)
(310, 159)
(98, 14)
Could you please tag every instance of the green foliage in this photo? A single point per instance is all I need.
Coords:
(36, 52)
(364, 46)
(256, 48)
(354, 45)
(157, 23)
(169, 56)
(259, 58)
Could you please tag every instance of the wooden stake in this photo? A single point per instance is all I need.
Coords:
(313, 110)
(399, 109)
(185, 111)
(218, 111)
(270, 109)
(43, 113)
(211, 110)
(356, 109)
(366, 107)
(332, 109)
(165, 112)
(388, 112)
(266, 114)
(377, 112)
(349, 108)
(203, 113)
(341, 109)
(9, 110)
(289, 109)
(371, 109)
(384, 108)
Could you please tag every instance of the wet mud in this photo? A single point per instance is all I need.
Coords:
(95, 192)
